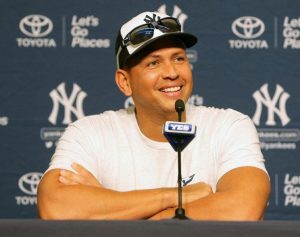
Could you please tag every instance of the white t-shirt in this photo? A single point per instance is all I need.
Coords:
(111, 146)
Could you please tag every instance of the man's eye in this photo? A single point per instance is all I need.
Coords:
(153, 63)
(180, 58)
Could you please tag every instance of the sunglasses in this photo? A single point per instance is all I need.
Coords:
(145, 32)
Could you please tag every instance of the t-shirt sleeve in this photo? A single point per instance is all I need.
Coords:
(76, 145)
(240, 146)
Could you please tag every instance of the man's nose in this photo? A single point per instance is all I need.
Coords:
(170, 71)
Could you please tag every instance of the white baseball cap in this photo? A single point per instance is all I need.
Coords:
(145, 29)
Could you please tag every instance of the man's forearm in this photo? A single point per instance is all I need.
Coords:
(101, 203)
(57, 201)
(217, 206)
(242, 194)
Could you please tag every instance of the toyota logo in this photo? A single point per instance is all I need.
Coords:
(36, 25)
(28, 183)
(248, 27)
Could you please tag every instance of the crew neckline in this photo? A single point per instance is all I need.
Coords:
(149, 142)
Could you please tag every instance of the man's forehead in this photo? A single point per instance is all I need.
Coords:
(170, 50)
(167, 42)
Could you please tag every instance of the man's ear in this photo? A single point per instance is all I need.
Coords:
(122, 81)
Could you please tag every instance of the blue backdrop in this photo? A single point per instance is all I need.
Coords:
(57, 65)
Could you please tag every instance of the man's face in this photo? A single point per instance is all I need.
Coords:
(161, 77)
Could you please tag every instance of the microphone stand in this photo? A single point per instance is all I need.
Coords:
(179, 212)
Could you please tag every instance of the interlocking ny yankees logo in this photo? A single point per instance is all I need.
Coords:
(59, 97)
(152, 20)
(262, 97)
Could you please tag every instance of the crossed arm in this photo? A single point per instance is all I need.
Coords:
(241, 194)
(66, 195)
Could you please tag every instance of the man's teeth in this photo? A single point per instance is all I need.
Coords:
(171, 89)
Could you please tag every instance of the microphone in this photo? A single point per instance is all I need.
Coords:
(179, 135)
(179, 107)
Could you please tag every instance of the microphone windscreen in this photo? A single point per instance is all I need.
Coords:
(179, 106)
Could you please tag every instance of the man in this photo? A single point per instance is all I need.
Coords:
(118, 165)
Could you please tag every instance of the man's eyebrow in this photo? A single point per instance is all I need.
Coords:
(154, 55)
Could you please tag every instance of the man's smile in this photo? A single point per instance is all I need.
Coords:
(171, 89)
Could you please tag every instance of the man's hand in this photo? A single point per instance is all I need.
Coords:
(191, 193)
(195, 191)
(82, 176)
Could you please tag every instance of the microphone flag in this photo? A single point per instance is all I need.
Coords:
(179, 134)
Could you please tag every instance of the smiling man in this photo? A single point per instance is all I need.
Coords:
(119, 165)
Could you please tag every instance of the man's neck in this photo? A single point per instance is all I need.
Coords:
(151, 124)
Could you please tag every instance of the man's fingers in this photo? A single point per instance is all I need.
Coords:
(196, 191)
(71, 178)
(65, 181)
(82, 176)
(87, 177)
(80, 169)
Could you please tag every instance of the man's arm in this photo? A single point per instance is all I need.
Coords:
(66, 195)
(242, 194)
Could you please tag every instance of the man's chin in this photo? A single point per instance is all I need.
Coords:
(170, 109)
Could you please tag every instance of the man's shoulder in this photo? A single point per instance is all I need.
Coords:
(108, 116)
(106, 124)
(214, 112)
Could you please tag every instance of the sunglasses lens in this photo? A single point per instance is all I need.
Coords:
(169, 25)
(145, 32)
(140, 35)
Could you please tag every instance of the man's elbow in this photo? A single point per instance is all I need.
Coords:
(253, 209)
(46, 215)
(51, 215)
(248, 210)
(53, 210)
(251, 212)
(49, 201)
(47, 209)
(251, 215)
